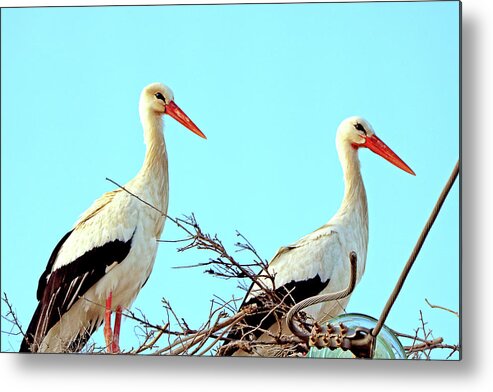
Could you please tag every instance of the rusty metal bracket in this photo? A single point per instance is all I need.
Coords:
(358, 340)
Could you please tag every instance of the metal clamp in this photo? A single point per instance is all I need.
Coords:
(359, 340)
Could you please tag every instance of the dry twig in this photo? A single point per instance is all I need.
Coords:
(442, 307)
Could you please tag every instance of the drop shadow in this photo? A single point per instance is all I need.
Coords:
(233, 368)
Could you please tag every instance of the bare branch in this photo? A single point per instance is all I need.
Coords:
(11, 317)
(424, 345)
(441, 307)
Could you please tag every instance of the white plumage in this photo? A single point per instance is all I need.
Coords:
(100, 266)
(318, 263)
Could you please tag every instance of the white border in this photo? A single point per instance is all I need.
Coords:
(83, 373)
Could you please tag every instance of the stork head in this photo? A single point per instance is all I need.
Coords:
(158, 99)
(357, 132)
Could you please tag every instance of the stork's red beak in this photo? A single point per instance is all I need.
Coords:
(380, 148)
(179, 115)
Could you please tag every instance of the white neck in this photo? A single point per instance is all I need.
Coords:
(354, 206)
(156, 155)
(153, 176)
(353, 213)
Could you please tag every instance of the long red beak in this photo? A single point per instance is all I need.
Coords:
(380, 148)
(179, 115)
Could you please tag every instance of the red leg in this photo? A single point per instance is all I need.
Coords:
(116, 330)
(108, 335)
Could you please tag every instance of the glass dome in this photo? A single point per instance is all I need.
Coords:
(388, 345)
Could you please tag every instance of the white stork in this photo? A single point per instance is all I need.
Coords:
(318, 263)
(100, 265)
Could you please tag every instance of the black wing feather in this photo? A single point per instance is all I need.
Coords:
(262, 320)
(68, 283)
(42, 280)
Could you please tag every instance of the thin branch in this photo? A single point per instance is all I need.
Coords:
(11, 317)
(441, 307)
(152, 343)
(424, 345)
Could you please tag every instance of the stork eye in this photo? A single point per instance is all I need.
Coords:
(160, 96)
(360, 127)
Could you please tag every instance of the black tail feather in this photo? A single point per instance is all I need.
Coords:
(27, 344)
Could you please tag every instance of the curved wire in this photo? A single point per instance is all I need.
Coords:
(322, 298)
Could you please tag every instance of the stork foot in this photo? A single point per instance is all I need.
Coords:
(112, 337)
(115, 348)
(108, 334)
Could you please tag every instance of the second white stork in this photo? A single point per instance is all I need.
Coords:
(99, 267)
(318, 263)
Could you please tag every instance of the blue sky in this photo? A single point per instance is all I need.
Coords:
(268, 85)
